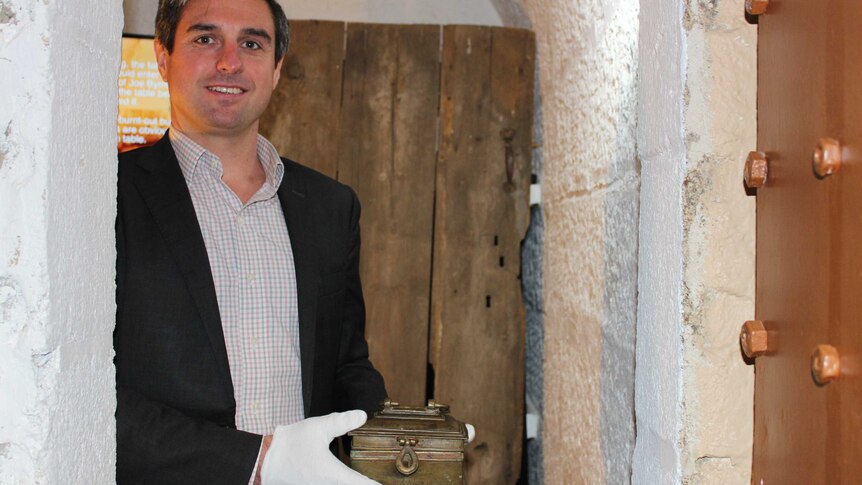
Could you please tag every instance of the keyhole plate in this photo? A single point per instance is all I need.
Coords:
(407, 462)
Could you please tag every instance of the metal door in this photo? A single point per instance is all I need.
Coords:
(809, 231)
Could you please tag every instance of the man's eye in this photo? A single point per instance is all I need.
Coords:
(250, 44)
(204, 39)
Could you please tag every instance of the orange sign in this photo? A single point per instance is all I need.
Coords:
(145, 111)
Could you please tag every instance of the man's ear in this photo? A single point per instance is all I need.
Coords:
(161, 59)
(277, 74)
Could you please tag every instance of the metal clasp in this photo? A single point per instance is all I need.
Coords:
(407, 462)
(508, 134)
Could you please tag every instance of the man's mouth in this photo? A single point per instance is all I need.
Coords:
(225, 90)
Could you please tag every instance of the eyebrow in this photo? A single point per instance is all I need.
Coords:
(201, 28)
(257, 33)
(248, 31)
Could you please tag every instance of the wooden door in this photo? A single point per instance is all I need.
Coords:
(809, 263)
(431, 126)
(478, 318)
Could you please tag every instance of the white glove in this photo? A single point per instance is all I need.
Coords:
(471, 432)
(299, 453)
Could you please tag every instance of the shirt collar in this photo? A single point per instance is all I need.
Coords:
(190, 154)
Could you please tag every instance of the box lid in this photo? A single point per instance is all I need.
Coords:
(432, 421)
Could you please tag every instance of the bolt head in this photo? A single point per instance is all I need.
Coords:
(826, 159)
(756, 7)
(756, 169)
(825, 364)
(753, 338)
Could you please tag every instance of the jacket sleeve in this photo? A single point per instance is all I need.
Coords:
(156, 445)
(360, 384)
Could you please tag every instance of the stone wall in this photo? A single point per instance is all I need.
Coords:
(588, 64)
(718, 248)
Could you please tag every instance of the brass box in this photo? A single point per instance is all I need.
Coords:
(404, 445)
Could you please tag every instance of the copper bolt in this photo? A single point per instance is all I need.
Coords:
(756, 7)
(756, 168)
(825, 364)
(753, 338)
(827, 157)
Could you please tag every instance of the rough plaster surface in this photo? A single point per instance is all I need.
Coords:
(588, 61)
(718, 244)
(511, 13)
(662, 152)
(141, 13)
(696, 282)
(58, 72)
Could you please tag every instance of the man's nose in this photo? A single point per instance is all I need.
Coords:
(229, 62)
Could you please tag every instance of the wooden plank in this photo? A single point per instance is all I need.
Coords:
(302, 117)
(478, 316)
(387, 153)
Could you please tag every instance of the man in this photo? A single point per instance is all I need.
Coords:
(239, 305)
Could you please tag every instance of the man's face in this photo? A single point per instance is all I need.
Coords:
(222, 71)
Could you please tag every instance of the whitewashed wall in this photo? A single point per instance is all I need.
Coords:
(58, 75)
(696, 122)
(661, 148)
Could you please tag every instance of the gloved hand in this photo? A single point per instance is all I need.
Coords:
(471, 432)
(299, 453)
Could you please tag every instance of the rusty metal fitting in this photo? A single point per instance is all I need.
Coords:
(825, 364)
(756, 7)
(753, 338)
(756, 170)
(827, 157)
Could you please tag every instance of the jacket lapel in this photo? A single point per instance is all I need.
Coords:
(298, 215)
(166, 194)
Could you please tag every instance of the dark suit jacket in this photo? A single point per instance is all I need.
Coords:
(175, 399)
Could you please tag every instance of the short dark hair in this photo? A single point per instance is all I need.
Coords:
(170, 11)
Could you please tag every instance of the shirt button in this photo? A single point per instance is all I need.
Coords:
(249, 276)
(240, 220)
